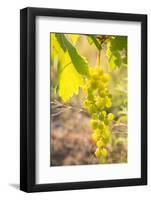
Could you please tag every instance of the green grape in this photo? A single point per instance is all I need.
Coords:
(99, 71)
(110, 96)
(94, 84)
(108, 102)
(104, 152)
(96, 135)
(94, 123)
(91, 109)
(86, 103)
(106, 121)
(97, 100)
(105, 77)
(94, 116)
(101, 125)
(98, 152)
(101, 117)
(95, 75)
(99, 143)
(104, 113)
(99, 103)
(110, 116)
(102, 93)
(101, 86)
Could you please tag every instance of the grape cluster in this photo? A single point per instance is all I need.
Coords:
(98, 99)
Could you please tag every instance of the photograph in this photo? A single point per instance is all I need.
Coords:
(88, 99)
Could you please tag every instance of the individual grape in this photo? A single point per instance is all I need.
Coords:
(101, 125)
(99, 143)
(104, 152)
(101, 86)
(98, 152)
(104, 113)
(106, 135)
(94, 116)
(106, 121)
(101, 117)
(108, 103)
(105, 77)
(94, 84)
(86, 103)
(91, 109)
(110, 116)
(102, 93)
(110, 96)
(94, 123)
(99, 71)
(96, 136)
(99, 103)
(95, 75)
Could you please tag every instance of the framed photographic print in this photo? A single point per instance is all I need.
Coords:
(83, 99)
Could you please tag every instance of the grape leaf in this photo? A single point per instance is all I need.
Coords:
(92, 39)
(69, 79)
(116, 57)
(71, 67)
(78, 61)
(54, 46)
(119, 43)
(61, 41)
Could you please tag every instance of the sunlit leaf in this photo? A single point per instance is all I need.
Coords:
(78, 61)
(69, 79)
(54, 46)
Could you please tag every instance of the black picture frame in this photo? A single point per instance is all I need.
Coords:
(28, 99)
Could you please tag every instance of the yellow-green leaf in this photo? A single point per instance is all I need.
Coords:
(69, 79)
(79, 62)
(54, 46)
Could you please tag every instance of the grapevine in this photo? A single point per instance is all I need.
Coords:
(98, 100)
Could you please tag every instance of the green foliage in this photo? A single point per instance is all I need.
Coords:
(61, 41)
(78, 61)
(92, 39)
(71, 66)
(117, 51)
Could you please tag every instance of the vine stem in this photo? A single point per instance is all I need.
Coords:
(99, 58)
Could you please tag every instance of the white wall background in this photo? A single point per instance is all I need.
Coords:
(9, 99)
